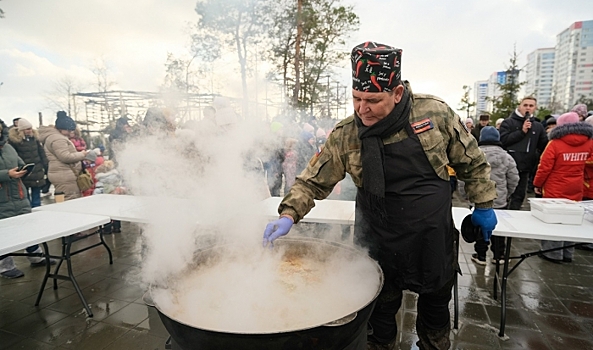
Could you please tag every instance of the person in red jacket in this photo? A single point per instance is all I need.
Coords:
(561, 171)
(588, 190)
(77, 140)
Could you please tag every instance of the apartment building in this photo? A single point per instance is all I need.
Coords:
(573, 69)
(539, 75)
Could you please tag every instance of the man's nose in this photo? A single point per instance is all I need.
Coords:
(362, 107)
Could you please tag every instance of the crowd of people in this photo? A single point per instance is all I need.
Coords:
(399, 156)
(58, 155)
(550, 158)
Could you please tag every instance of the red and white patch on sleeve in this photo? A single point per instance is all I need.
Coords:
(422, 126)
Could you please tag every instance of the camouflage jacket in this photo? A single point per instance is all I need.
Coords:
(447, 143)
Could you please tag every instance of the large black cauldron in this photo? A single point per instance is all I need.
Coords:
(348, 333)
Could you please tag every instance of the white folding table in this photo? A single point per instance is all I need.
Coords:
(325, 211)
(19, 232)
(117, 207)
(329, 211)
(521, 224)
(137, 209)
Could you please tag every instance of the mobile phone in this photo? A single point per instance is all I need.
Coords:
(28, 167)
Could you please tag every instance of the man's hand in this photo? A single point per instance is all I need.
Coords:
(537, 190)
(526, 126)
(276, 229)
(486, 219)
(15, 174)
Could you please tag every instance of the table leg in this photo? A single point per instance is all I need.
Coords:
(57, 269)
(105, 245)
(47, 272)
(73, 280)
(456, 303)
(503, 288)
(497, 274)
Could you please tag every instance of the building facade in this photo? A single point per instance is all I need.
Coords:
(485, 91)
(573, 71)
(539, 75)
(480, 97)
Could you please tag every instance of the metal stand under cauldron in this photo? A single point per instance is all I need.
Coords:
(171, 345)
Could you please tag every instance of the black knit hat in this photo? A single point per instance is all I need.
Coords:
(64, 122)
(375, 67)
(122, 121)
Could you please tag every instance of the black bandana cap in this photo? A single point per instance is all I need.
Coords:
(375, 67)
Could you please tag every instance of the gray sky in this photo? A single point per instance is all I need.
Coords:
(446, 44)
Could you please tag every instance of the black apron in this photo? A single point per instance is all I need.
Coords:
(414, 243)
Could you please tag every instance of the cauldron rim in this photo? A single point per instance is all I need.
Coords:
(325, 324)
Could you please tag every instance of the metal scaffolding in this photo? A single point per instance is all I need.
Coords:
(101, 109)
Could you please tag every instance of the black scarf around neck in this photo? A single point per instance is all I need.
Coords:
(372, 152)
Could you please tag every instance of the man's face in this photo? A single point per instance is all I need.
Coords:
(371, 107)
(527, 106)
(484, 122)
(28, 132)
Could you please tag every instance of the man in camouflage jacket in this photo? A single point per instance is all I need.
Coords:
(396, 148)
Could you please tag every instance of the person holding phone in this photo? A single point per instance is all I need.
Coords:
(25, 140)
(524, 139)
(14, 200)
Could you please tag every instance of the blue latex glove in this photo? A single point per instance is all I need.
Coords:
(486, 219)
(276, 229)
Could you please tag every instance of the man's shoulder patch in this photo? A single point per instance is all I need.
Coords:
(422, 126)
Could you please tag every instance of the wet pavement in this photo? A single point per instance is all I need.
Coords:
(550, 306)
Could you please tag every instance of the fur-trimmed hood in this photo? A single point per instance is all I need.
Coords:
(572, 128)
(16, 136)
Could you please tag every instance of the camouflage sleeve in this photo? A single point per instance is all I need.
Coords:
(470, 163)
(317, 181)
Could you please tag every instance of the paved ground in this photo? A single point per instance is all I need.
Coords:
(550, 305)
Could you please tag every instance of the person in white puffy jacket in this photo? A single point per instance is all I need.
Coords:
(504, 172)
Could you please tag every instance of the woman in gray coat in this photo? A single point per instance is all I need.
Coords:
(13, 200)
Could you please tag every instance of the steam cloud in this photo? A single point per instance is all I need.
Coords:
(216, 175)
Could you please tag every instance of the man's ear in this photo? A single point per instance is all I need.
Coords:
(398, 93)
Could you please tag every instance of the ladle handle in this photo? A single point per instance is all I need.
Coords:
(342, 321)
(147, 299)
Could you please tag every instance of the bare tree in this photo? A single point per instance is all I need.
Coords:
(104, 83)
(325, 25)
(61, 97)
(185, 73)
(239, 25)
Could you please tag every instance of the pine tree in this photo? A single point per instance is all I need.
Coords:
(465, 104)
(508, 100)
(586, 101)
